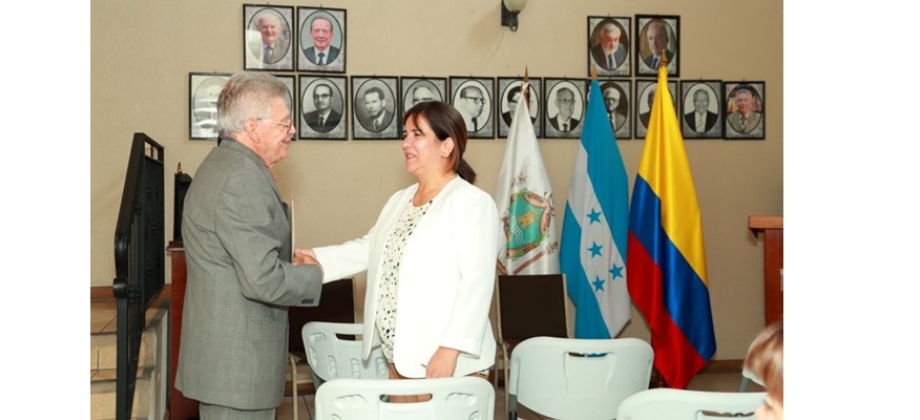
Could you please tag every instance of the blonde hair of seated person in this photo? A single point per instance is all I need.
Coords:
(765, 361)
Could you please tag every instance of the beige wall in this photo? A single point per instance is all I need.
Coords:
(142, 53)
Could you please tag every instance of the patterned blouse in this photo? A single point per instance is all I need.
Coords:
(392, 254)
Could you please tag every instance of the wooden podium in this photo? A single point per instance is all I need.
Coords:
(772, 228)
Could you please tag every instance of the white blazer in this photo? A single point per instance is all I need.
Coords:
(446, 278)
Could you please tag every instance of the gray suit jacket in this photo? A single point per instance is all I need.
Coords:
(237, 237)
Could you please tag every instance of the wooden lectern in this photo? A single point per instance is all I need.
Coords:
(772, 228)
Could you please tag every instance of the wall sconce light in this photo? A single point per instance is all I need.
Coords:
(510, 10)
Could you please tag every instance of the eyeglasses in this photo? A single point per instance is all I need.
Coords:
(286, 125)
(476, 100)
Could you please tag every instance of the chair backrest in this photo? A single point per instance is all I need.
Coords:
(456, 398)
(570, 378)
(531, 306)
(680, 404)
(334, 351)
(336, 304)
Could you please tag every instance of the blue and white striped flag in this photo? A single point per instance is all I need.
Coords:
(595, 228)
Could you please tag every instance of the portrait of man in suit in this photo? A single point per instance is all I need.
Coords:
(514, 96)
(745, 118)
(471, 105)
(701, 119)
(564, 120)
(269, 41)
(608, 52)
(322, 52)
(323, 118)
(617, 105)
(377, 116)
(656, 41)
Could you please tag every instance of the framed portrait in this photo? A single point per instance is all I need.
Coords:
(645, 95)
(656, 37)
(608, 46)
(473, 97)
(701, 101)
(565, 107)
(323, 105)
(510, 95)
(617, 99)
(288, 80)
(203, 90)
(375, 106)
(322, 40)
(268, 37)
(745, 110)
(421, 89)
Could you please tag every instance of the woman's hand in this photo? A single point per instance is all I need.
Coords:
(442, 363)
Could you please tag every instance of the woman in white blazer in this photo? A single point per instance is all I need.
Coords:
(430, 258)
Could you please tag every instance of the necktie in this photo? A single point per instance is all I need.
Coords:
(613, 123)
(322, 121)
(376, 125)
(743, 120)
(320, 58)
(655, 63)
(267, 55)
(565, 127)
(610, 61)
(475, 124)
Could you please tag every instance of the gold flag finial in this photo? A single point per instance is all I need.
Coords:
(526, 91)
(664, 58)
(593, 72)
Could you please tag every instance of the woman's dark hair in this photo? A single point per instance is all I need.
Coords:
(446, 122)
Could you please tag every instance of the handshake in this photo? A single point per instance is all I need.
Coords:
(304, 256)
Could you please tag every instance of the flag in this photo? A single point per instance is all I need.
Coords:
(667, 262)
(594, 229)
(525, 199)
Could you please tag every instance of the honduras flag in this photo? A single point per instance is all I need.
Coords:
(595, 227)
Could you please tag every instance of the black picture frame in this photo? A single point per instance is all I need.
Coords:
(290, 81)
(642, 103)
(509, 88)
(551, 126)
(203, 91)
(599, 35)
(336, 125)
(415, 89)
(263, 23)
(375, 94)
(462, 93)
(644, 51)
(307, 57)
(734, 130)
(622, 121)
(708, 95)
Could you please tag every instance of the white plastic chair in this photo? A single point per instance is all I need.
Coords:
(457, 398)
(330, 356)
(680, 404)
(571, 378)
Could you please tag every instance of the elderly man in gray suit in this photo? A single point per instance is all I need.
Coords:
(241, 277)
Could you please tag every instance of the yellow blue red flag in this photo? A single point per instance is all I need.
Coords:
(666, 257)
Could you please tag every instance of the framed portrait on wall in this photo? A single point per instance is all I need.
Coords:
(289, 80)
(702, 116)
(322, 39)
(510, 95)
(473, 97)
(565, 107)
(421, 89)
(375, 106)
(268, 37)
(657, 37)
(645, 95)
(203, 90)
(745, 110)
(617, 99)
(608, 46)
(323, 105)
